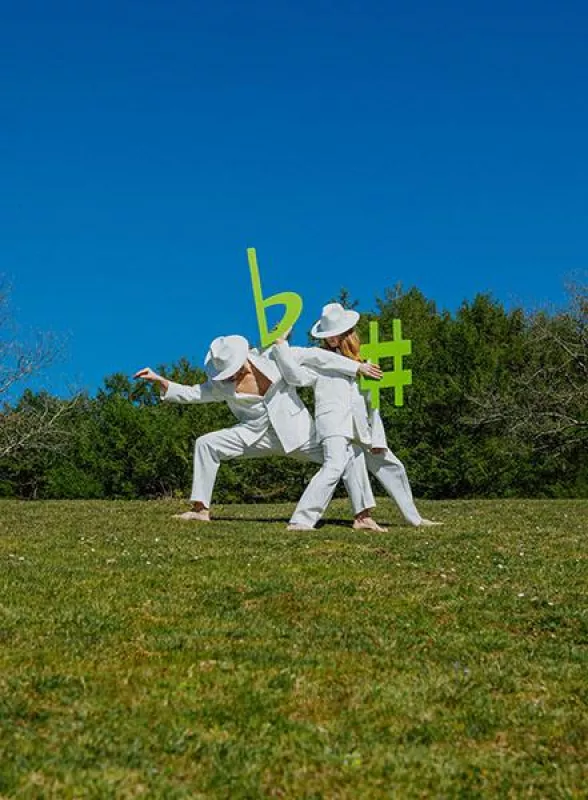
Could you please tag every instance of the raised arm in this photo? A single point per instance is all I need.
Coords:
(173, 392)
(324, 360)
(292, 372)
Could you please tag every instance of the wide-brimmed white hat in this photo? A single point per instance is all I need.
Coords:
(226, 356)
(334, 321)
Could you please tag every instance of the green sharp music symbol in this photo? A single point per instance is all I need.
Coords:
(396, 378)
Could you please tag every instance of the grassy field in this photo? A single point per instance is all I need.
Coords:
(142, 656)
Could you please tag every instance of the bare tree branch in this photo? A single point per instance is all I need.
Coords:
(545, 404)
(38, 426)
(36, 421)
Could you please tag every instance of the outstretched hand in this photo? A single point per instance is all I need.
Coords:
(147, 374)
(370, 370)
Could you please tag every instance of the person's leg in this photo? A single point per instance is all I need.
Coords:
(356, 480)
(391, 473)
(357, 483)
(209, 451)
(317, 495)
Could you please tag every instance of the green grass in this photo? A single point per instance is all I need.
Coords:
(144, 656)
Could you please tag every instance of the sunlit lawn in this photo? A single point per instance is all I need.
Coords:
(144, 656)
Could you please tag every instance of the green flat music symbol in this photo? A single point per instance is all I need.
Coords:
(398, 377)
(290, 300)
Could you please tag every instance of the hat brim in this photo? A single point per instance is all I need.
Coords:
(348, 321)
(238, 359)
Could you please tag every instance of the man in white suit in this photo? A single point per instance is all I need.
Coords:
(272, 420)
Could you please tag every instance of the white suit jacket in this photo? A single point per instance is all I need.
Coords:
(281, 407)
(340, 408)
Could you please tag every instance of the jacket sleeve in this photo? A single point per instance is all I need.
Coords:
(200, 393)
(292, 372)
(323, 360)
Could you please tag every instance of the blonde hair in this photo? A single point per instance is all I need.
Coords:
(349, 345)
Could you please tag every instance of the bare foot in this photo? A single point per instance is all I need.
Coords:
(427, 523)
(368, 524)
(194, 516)
(293, 526)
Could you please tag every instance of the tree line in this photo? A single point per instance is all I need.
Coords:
(498, 408)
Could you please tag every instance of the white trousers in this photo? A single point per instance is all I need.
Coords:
(224, 445)
(338, 454)
(390, 472)
(388, 469)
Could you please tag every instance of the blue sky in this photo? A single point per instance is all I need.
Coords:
(145, 145)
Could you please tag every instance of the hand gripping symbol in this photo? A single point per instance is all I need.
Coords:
(397, 377)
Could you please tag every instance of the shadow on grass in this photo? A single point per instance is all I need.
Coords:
(224, 518)
(320, 524)
(339, 523)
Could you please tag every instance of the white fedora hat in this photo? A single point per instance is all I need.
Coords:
(226, 356)
(334, 321)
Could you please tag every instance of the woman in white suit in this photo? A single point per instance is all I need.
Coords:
(341, 418)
